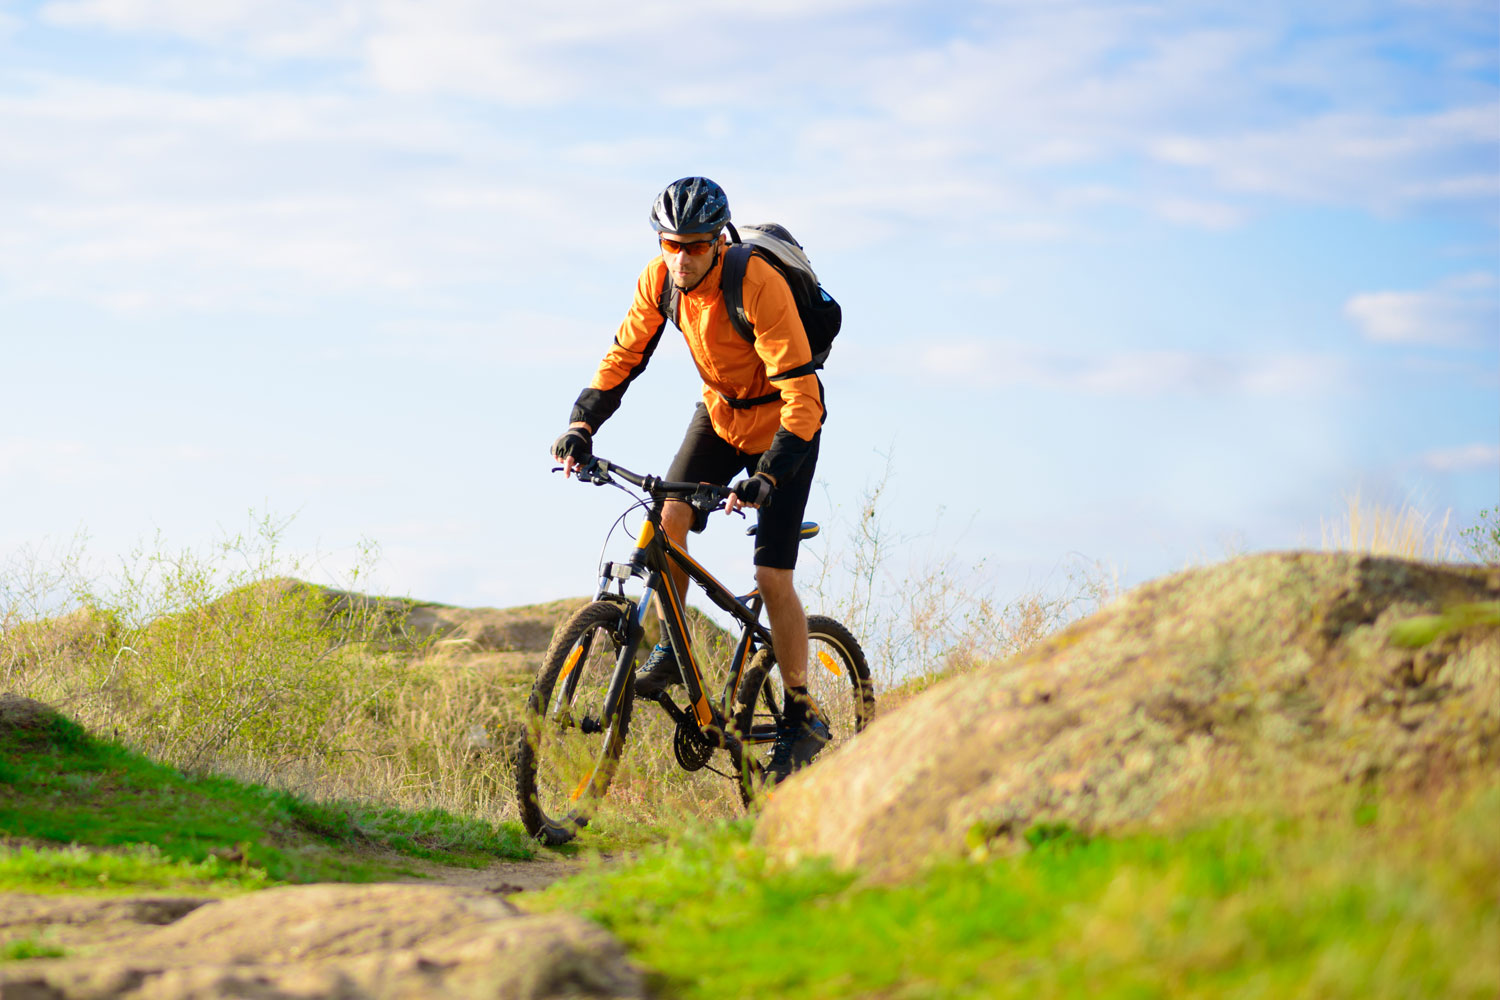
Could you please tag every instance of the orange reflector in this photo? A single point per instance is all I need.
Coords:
(581, 786)
(573, 662)
(829, 662)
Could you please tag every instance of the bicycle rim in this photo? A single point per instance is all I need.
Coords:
(569, 751)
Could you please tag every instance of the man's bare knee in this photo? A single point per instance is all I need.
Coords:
(771, 580)
(677, 519)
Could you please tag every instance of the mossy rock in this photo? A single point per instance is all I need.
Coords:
(1277, 675)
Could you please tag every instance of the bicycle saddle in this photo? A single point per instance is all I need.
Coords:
(809, 529)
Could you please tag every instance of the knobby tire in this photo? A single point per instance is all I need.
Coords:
(846, 696)
(563, 768)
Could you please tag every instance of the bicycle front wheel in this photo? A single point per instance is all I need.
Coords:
(838, 678)
(568, 750)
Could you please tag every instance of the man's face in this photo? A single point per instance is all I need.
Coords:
(687, 269)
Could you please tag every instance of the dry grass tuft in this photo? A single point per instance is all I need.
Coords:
(922, 617)
(1380, 530)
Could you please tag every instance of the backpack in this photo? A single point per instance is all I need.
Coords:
(820, 314)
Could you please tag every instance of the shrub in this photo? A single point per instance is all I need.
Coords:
(1484, 538)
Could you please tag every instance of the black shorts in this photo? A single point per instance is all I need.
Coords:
(704, 457)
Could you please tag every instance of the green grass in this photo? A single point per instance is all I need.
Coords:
(1421, 630)
(134, 822)
(22, 949)
(1374, 906)
(139, 867)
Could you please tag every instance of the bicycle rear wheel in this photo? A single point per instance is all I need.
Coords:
(568, 751)
(838, 678)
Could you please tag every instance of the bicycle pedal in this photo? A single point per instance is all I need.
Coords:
(589, 724)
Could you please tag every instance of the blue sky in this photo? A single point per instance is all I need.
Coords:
(1141, 284)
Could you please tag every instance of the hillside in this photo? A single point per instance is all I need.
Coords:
(1270, 777)
(332, 693)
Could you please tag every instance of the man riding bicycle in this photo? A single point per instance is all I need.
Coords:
(761, 413)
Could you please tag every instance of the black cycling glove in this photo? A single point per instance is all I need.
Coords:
(576, 442)
(755, 490)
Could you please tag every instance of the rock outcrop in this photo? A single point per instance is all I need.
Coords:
(377, 942)
(1278, 674)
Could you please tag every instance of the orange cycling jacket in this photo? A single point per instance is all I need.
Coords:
(742, 383)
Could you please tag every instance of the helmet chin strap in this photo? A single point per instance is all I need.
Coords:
(711, 265)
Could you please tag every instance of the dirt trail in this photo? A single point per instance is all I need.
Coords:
(502, 877)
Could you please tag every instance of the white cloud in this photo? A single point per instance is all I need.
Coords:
(276, 28)
(494, 65)
(151, 257)
(1214, 215)
(147, 200)
(1130, 373)
(1026, 95)
(256, 21)
(1027, 121)
(995, 106)
(1459, 312)
(1383, 161)
(1465, 458)
(516, 54)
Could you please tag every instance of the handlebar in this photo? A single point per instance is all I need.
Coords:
(705, 496)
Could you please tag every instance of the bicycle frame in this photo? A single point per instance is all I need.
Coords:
(655, 553)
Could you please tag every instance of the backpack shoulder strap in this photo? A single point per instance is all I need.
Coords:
(732, 283)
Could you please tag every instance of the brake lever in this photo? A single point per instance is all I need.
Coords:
(706, 500)
(587, 472)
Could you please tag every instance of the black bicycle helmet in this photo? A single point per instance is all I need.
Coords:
(690, 205)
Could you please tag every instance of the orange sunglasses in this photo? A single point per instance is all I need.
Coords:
(695, 249)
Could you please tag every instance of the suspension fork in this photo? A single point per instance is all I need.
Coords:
(633, 617)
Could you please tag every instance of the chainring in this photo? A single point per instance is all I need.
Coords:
(692, 751)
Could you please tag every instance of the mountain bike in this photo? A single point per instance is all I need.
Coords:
(579, 711)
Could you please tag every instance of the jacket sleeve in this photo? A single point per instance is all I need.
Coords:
(634, 344)
(782, 345)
